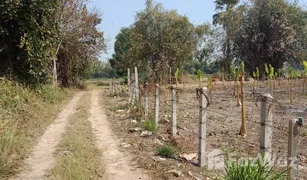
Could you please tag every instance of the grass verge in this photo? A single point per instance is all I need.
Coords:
(24, 116)
(77, 156)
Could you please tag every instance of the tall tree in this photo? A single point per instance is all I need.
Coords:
(162, 39)
(79, 41)
(267, 35)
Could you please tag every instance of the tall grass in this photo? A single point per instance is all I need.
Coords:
(24, 115)
(251, 170)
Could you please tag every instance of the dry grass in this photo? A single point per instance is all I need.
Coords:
(77, 157)
(24, 116)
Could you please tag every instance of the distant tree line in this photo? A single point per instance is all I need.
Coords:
(254, 32)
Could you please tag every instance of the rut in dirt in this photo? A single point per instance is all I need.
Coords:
(116, 162)
(41, 158)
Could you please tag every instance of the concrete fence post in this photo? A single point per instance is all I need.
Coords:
(174, 115)
(146, 100)
(202, 127)
(128, 81)
(293, 142)
(266, 132)
(137, 91)
(157, 104)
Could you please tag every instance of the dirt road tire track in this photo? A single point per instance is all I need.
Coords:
(42, 157)
(116, 162)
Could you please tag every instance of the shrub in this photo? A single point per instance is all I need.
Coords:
(167, 151)
(251, 169)
(151, 126)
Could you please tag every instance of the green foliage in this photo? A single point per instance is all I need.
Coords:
(296, 74)
(271, 74)
(279, 71)
(251, 169)
(199, 76)
(257, 72)
(167, 151)
(266, 69)
(233, 70)
(290, 72)
(305, 68)
(242, 67)
(176, 75)
(151, 126)
(27, 34)
(24, 115)
(254, 75)
(209, 85)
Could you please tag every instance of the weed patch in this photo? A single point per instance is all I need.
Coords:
(167, 151)
(24, 116)
(151, 126)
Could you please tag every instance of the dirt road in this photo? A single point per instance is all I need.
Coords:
(116, 162)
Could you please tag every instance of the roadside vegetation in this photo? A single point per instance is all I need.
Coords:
(24, 115)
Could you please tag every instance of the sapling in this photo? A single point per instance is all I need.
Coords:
(271, 76)
(290, 75)
(210, 87)
(279, 76)
(255, 77)
(304, 75)
(295, 77)
(243, 130)
(267, 71)
(234, 75)
(258, 75)
(199, 77)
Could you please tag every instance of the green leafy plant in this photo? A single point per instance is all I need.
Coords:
(199, 76)
(251, 169)
(210, 87)
(234, 75)
(167, 151)
(290, 77)
(151, 126)
(176, 75)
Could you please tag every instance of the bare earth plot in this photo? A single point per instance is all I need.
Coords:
(223, 125)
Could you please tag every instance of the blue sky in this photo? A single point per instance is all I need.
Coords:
(120, 13)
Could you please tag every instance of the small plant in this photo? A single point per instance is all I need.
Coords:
(199, 76)
(271, 76)
(234, 74)
(176, 75)
(167, 151)
(119, 107)
(290, 76)
(257, 74)
(151, 126)
(210, 87)
(251, 169)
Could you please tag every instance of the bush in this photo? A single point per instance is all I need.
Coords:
(251, 169)
(167, 151)
(151, 126)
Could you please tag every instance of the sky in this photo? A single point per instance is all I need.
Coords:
(121, 13)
